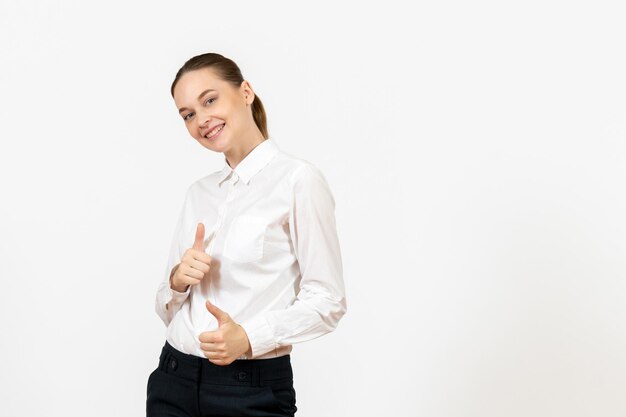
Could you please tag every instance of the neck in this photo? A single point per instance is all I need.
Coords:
(237, 153)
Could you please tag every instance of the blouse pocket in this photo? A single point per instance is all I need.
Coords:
(244, 242)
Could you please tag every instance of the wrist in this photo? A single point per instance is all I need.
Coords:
(248, 351)
(177, 287)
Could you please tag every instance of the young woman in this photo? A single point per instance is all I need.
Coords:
(255, 263)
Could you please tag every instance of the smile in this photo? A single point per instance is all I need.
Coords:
(215, 132)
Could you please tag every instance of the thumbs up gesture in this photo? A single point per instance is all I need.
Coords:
(228, 342)
(194, 265)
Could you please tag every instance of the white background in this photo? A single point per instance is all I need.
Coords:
(476, 152)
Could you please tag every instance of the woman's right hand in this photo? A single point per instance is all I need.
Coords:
(194, 265)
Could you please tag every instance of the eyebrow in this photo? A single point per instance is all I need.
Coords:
(182, 109)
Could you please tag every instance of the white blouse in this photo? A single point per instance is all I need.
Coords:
(276, 268)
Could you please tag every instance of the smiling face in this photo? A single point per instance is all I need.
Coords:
(206, 103)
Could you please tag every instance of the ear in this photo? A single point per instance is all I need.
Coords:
(247, 92)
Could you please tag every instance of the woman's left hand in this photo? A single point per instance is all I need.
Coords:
(228, 342)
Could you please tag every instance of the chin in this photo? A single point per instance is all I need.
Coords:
(214, 146)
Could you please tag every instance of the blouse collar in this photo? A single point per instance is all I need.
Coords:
(252, 163)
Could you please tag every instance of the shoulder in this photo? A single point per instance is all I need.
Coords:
(306, 181)
(297, 170)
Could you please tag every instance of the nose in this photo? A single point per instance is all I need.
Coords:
(204, 121)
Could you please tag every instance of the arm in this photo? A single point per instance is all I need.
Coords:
(168, 299)
(321, 301)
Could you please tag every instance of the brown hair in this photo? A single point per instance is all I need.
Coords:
(228, 71)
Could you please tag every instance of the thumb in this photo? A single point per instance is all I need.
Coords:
(199, 242)
(221, 316)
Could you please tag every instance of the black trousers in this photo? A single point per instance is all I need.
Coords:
(189, 386)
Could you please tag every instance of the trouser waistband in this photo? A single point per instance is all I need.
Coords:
(248, 372)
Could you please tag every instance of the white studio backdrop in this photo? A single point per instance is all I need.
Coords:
(476, 152)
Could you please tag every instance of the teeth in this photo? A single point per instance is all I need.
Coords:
(214, 131)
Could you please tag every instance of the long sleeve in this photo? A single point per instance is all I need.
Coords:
(321, 300)
(168, 301)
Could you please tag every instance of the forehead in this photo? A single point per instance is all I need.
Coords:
(193, 83)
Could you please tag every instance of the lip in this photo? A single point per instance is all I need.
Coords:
(210, 129)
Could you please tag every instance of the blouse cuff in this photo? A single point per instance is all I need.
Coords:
(260, 335)
(175, 297)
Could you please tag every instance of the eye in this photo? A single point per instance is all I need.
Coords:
(206, 101)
